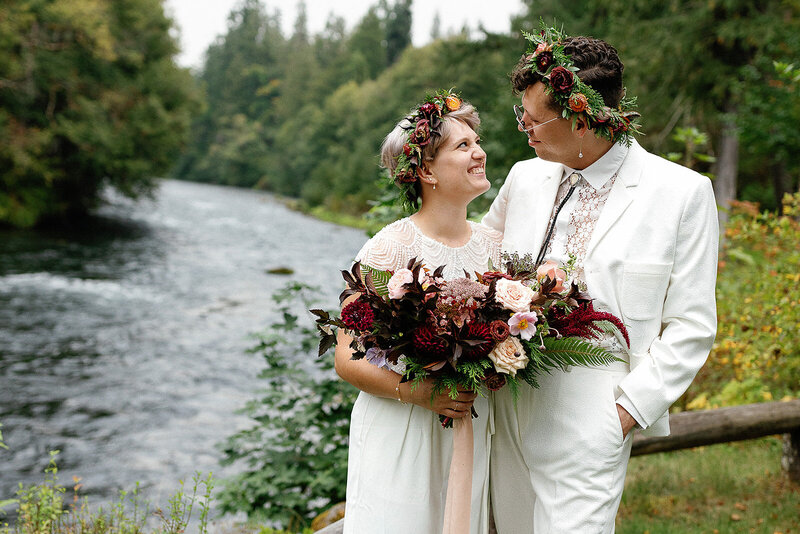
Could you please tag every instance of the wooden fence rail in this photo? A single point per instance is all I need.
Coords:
(735, 423)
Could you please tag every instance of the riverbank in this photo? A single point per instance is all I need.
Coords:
(324, 214)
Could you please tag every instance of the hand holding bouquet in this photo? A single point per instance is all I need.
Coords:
(478, 333)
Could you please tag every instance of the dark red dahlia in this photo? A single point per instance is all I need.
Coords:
(358, 315)
(562, 80)
(480, 333)
(428, 344)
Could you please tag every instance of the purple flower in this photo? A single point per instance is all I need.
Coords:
(377, 357)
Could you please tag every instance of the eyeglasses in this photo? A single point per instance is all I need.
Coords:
(519, 112)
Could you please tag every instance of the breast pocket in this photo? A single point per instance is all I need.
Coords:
(644, 286)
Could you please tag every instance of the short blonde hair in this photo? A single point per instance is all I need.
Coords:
(393, 143)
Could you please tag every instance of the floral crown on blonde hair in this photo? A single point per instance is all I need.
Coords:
(547, 57)
(423, 125)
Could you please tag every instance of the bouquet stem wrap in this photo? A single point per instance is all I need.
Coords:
(459, 484)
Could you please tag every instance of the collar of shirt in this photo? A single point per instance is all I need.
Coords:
(599, 172)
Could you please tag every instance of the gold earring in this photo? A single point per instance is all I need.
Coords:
(580, 150)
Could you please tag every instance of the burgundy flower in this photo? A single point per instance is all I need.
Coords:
(562, 80)
(406, 176)
(407, 150)
(499, 330)
(358, 315)
(488, 276)
(580, 322)
(427, 343)
(427, 109)
(478, 332)
(422, 133)
(495, 381)
(544, 60)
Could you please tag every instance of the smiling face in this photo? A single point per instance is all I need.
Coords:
(554, 141)
(459, 168)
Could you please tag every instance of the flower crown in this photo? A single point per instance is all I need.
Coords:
(547, 57)
(423, 124)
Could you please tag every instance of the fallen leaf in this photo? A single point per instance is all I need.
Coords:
(736, 517)
(740, 506)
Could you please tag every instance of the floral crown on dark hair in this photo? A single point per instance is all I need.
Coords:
(547, 57)
(423, 124)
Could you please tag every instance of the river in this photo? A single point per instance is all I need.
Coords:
(122, 341)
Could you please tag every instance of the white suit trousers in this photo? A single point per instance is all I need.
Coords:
(558, 459)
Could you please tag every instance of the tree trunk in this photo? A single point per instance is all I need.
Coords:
(727, 168)
(781, 182)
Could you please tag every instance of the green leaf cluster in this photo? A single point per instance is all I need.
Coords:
(294, 455)
(89, 98)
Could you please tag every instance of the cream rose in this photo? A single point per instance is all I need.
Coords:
(395, 284)
(509, 356)
(513, 295)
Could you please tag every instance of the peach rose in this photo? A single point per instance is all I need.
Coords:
(509, 356)
(549, 269)
(397, 281)
(513, 295)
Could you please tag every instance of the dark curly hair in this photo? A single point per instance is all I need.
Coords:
(599, 64)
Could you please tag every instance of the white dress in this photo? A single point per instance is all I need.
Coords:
(399, 457)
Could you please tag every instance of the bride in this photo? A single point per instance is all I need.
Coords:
(400, 455)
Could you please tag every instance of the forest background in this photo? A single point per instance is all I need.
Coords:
(91, 97)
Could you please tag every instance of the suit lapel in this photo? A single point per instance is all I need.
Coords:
(542, 207)
(621, 194)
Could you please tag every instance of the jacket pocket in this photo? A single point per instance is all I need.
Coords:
(644, 286)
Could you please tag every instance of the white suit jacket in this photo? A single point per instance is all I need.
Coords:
(652, 262)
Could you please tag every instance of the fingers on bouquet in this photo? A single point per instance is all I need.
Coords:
(478, 332)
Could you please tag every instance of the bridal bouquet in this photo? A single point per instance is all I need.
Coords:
(483, 332)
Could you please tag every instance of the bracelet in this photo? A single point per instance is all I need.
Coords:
(397, 390)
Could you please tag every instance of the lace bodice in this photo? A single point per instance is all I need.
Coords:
(398, 242)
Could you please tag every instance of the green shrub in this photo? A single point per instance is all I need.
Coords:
(756, 356)
(295, 454)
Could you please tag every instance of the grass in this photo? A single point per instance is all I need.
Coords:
(719, 489)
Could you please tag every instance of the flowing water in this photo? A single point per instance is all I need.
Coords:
(122, 341)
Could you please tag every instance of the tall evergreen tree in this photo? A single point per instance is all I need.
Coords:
(398, 29)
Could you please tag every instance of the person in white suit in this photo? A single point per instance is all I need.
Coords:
(643, 233)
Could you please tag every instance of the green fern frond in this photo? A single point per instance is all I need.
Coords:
(379, 279)
(570, 351)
